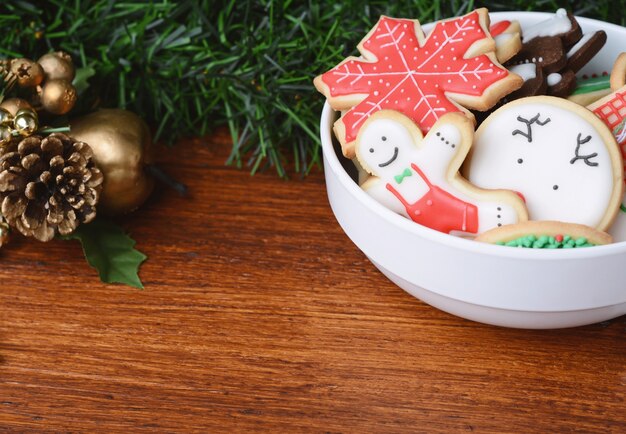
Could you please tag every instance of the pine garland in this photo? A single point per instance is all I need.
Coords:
(191, 66)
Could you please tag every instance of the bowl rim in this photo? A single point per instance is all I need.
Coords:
(467, 245)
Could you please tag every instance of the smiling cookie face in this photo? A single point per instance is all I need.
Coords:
(385, 146)
(558, 157)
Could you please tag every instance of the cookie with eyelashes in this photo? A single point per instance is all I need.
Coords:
(417, 176)
(556, 154)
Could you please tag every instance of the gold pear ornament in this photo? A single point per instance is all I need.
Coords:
(122, 148)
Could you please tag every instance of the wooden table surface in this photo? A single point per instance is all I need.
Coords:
(259, 314)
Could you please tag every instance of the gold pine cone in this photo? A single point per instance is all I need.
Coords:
(48, 185)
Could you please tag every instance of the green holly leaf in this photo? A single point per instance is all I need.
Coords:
(111, 251)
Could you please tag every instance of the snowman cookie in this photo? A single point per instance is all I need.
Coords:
(418, 177)
(556, 154)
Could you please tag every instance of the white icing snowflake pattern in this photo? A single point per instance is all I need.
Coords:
(401, 74)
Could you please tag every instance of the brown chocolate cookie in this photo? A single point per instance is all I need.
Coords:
(534, 81)
(547, 52)
(584, 50)
(559, 49)
(561, 84)
(572, 36)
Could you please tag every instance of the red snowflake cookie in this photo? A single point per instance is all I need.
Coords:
(422, 77)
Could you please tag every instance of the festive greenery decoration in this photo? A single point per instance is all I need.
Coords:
(190, 66)
(110, 251)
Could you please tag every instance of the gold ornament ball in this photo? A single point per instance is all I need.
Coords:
(26, 122)
(121, 144)
(27, 72)
(58, 96)
(6, 118)
(57, 66)
(5, 134)
(13, 105)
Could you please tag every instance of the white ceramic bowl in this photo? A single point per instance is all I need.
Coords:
(491, 284)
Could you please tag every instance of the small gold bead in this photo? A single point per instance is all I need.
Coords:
(5, 134)
(26, 122)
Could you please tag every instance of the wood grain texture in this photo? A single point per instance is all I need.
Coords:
(259, 314)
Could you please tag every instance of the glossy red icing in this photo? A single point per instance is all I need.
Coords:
(413, 78)
(499, 27)
(439, 210)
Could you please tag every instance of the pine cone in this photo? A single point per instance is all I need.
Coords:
(48, 185)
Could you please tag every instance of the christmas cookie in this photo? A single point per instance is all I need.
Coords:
(563, 83)
(618, 228)
(561, 24)
(590, 89)
(548, 56)
(534, 81)
(612, 110)
(559, 49)
(618, 73)
(584, 50)
(423, 77)
(507, 35)
(563, 160)
(546, 235)
(545, 43)
(418, 177)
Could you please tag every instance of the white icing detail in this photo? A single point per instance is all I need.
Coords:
(557, 24)
(584, 191)
(586, 37)
(433, 155)
(554, 79)
(502, 39)
(411, 74)
(527, 71)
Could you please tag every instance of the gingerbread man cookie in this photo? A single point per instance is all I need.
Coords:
(561, 158)
(423, 77)
(418, 177)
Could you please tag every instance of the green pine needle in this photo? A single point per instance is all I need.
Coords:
(190, 66)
